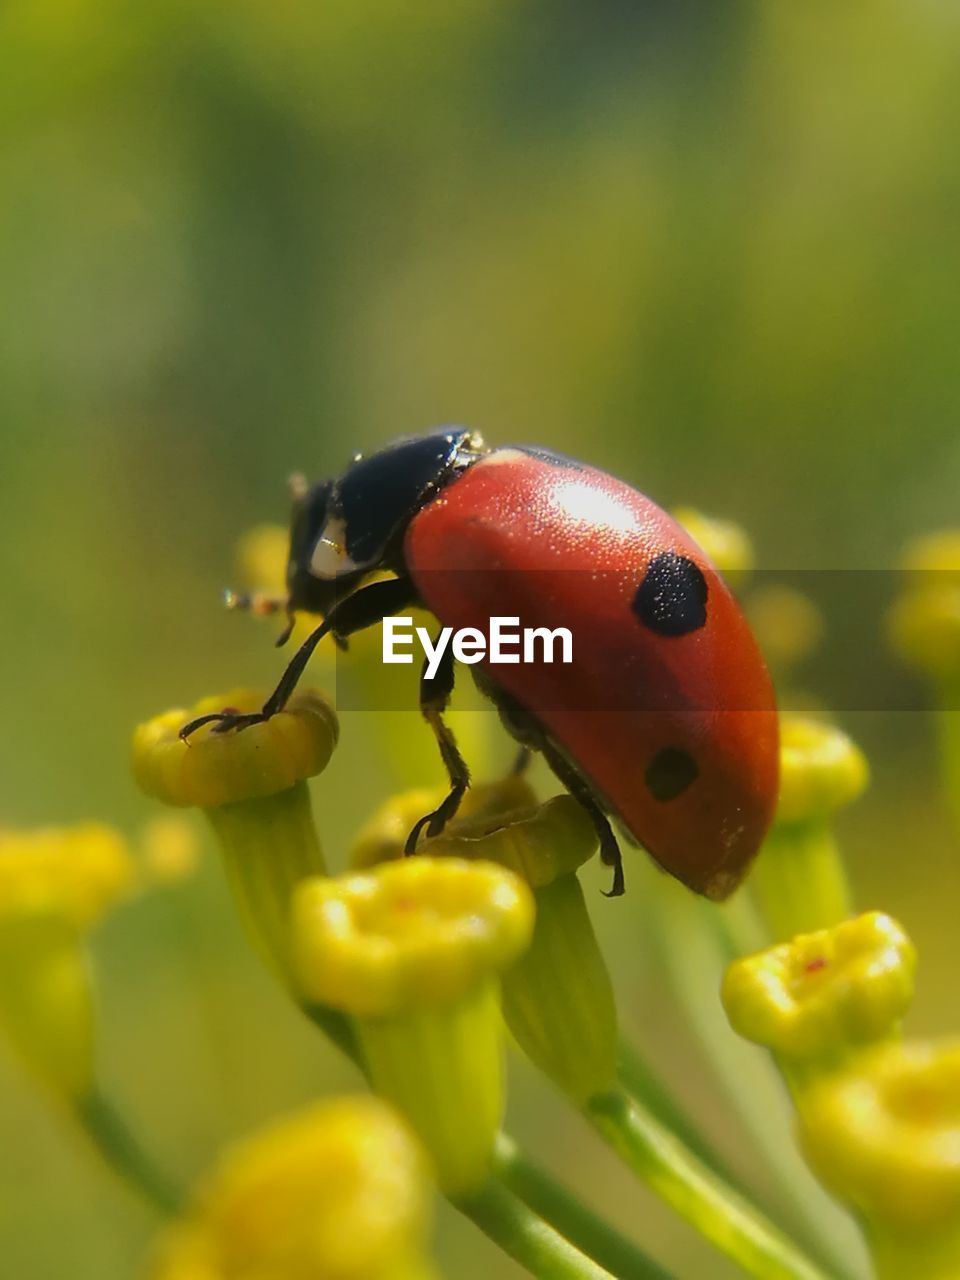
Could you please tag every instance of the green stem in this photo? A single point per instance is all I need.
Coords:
(638, 1079)
(124, 1154)
(661, 1162)
(544, 1197)
(269, 845)
(525, 1237)
(696, 949)
(799, 879)
(571, 1217)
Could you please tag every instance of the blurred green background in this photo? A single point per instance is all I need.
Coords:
(711, 247)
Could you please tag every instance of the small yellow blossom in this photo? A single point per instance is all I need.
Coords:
(384, 834)
(212, 768)
(924, 624)
(413, 951)
(414, 934)
(337, 1192)
(815, 999)
(76, 872)
(788, 625)
(252, 786)
(884, 1136)
(821, 769)
(724, 542)
(55, 884)
(799, 879)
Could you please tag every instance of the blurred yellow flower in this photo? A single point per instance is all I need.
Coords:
(55, 884)
(169, 849)
(821, 769)
(726, 543)
(336, 1192)
(75, 872)
(884, 1136)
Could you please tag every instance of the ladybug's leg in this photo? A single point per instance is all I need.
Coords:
(581, 791)
(434, 698)
(521, 761)
(364, 608)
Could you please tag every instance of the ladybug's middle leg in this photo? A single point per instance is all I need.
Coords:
(581, 791)
(434, 698)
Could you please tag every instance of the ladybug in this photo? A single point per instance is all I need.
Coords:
(665, 719)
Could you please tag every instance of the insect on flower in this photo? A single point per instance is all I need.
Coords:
(666, 718)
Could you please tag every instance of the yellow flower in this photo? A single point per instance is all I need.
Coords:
(384, 834)
(413, 934)
(413, 951)
(74, 872)
(787, 624)
(884, 1136)
(799, 878)
(169, 849)
(725, 543)
(815, 999)
(337, 1192)
(557, 998)
(252, 786)
(55, 884)
(212, 768)
(821, 769)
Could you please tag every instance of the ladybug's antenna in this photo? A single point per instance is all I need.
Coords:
(264, 606)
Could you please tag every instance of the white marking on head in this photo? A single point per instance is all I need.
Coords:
(330, 559)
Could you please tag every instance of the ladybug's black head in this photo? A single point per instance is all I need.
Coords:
(342, 530)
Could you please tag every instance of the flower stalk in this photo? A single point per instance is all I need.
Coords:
(689, 1187)
(799, 879)
(412, 952)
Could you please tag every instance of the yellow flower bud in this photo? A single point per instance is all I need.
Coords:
(924, 627)
(799, 878)
(821, 769)
(169, 849)
(557, 999)
(337, 1192)
(384, 834)
(211, 768)
(410, 935)
(787, 624)
(74, 872)
(413, 951)
(725, 543)
(252, 787)
(884, 1136)
(815, 999)
(55, 884)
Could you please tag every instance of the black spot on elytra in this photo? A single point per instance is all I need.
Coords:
(670, 772)
(672, 598)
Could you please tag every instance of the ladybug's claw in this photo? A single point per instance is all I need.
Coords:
(224, 722)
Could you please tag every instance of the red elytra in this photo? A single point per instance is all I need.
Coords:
(667, 709)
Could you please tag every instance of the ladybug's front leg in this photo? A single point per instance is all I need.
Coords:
(364, 608)
(434, 698)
